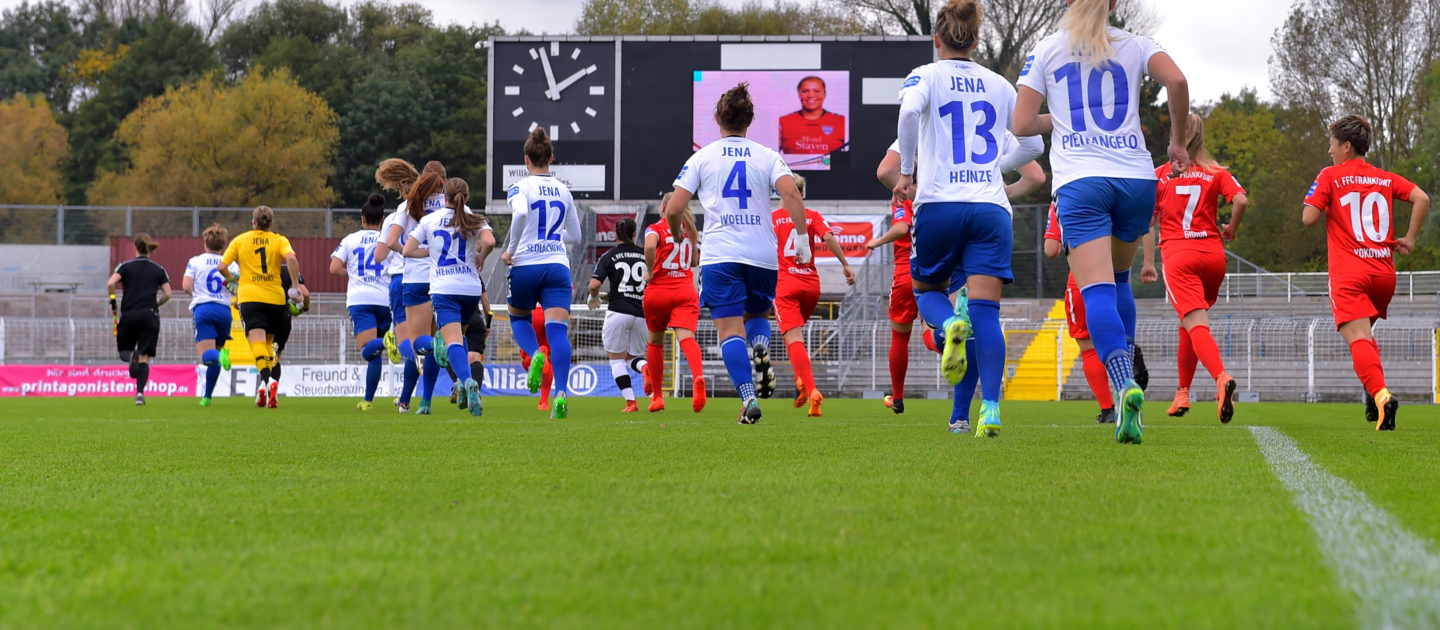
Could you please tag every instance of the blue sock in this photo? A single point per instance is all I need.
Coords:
(1108, 332)
(935, 307)
(965, 389)
(1125, 306)
(989, 347)
(524, 334)
(736, 354)
(758, 331)
(211, 360)
(372, 378)
(407, 386)
(559, 335)
(407, 351)
(372, 349)
(456, 353)
(428, 376)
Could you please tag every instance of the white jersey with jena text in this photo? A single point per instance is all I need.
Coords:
(417, 270)
(454, 269)
(209, 286)
(1095, 109)
(733, 178)
(368, 284)
(543, 220)
(394, 261)
(956, 115)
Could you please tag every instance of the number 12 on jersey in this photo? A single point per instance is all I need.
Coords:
(549, 231)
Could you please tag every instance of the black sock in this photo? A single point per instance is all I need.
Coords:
(134, 370)
(623, 382)
(451, 371)
(635, 364)
(275, 372)
(477, 372)
(264, 376)
(142, 377)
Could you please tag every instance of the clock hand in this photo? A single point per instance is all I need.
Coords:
(570, 80)
(550, 93)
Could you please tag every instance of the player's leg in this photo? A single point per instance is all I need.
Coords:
(368, 328)
(520, 301)
(723, 290)
(1358, 301)
(555, 298)
(614, 338)
(902, 317)
(685, 320)
(280, 337)
(790, 319)
(146, 344)
(1203, 287)
(637, 340)
(547, 372)
(476, 339)
(452, 314)
(986, 263)
(212, 330)
(935, 255)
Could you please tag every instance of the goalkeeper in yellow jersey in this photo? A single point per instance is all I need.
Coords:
(260, 253)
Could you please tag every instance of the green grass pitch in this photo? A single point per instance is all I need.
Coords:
(317, 515)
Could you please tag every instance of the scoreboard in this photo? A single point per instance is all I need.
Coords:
(624, 113)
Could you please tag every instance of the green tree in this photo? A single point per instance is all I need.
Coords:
(38, 42)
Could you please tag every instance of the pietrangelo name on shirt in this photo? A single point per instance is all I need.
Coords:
(1112, 142)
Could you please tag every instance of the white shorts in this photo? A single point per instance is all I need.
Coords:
(625, 334)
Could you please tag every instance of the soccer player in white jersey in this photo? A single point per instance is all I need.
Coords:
(427, 196)
(739, 262)
(953, 115)
(1104, 182)
(210, 306)
(367, 292)
(398, 176)
(450, 238)
(544, 221)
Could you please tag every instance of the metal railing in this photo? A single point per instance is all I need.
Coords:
(1292, 286)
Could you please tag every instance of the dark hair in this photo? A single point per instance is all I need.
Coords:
(144, 245)
(958, 24)
(810, 78)
(426, 187)
(434, 166)
(457, 193)
(215, 237)
(373, 212)
(1356, 131)
(625, 230)
(538, 148)
(735, 111)
(264, 218)
(396, 175)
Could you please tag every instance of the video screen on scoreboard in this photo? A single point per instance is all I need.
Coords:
(804, 114)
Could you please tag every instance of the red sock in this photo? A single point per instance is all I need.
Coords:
(547, 377)
(1185, 359)
(1365, 354)
(1203, 344)
(899, 361)
(655, 367)
(691, 348)
(929, 339)
(800, 360)
(1098, 379)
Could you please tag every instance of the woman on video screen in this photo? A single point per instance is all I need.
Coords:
(812, 130)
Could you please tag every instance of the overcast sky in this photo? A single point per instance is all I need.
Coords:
(1222, 45)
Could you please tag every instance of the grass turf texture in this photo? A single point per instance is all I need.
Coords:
(318, 515)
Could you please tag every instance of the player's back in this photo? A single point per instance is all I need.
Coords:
(417, 270)
(551, 211)
(1188, 205)
(733, 177)
(395, 261)
(452, 256)
(1358, 199)
(623, 267)
(260, 254)
(788, 233)
(966, 115)
(209, 285)
(672, 261)
(369, 282)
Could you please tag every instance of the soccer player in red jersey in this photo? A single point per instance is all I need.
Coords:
(1357, 200)
(547, 376)
(798, 291)
(671, 301)
(1188, 213)
(812, 130)
(1094, 370)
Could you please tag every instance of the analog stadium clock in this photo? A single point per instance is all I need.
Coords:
(568, 87)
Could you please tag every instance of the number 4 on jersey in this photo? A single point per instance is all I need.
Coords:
(735, 186)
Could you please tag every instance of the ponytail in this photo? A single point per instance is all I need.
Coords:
(1087, 23)
(457, 194)
(397, 176)
(735, 111)
(957, 25)
(1195, 144)
(539, 149)
(426, 187)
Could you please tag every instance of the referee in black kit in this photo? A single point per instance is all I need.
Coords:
(137, 331)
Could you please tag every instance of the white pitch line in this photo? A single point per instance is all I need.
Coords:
(1392, 571)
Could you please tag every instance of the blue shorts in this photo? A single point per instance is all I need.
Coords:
(971, 239)
(1095, 207)
(735, 289)
(370, 317)
(212, 321)
(957, 281)
(397, 300)
(455, 309)
(547, 285)
(416, 293)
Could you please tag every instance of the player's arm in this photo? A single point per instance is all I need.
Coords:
(1032, 177)
(897, 230)
(674, 211)
(1028, 120)
(114, 282)
(412, 244)
(484, 247)
(392, 242)
(1052, 248)
(1148, 275)
(834, 245)
(1421, 203)
(652, 243)
(1311, 215)
(164, 295)
(231, 253)
(337, 266)
(1238, 205)
(572, 234)
(294, 263)
(889, 170)
(1163, 69)
(795, 206)
(519, 221)
(602, 270)
(913, 102)
(187, 281)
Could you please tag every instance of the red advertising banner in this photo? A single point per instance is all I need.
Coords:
(853, 232)
(93, 380)
(605, 226)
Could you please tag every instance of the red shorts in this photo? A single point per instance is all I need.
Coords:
(1075, 310)
(902, 300)
(667, 307)
(1193, 278)
(1360, 296)
(794, 304)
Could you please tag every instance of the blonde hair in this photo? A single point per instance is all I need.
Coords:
(1195, 144)
(957, 25)
(264, 218)
(1087, 22)
(799, 183)
(215, 238)
(396, 175)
